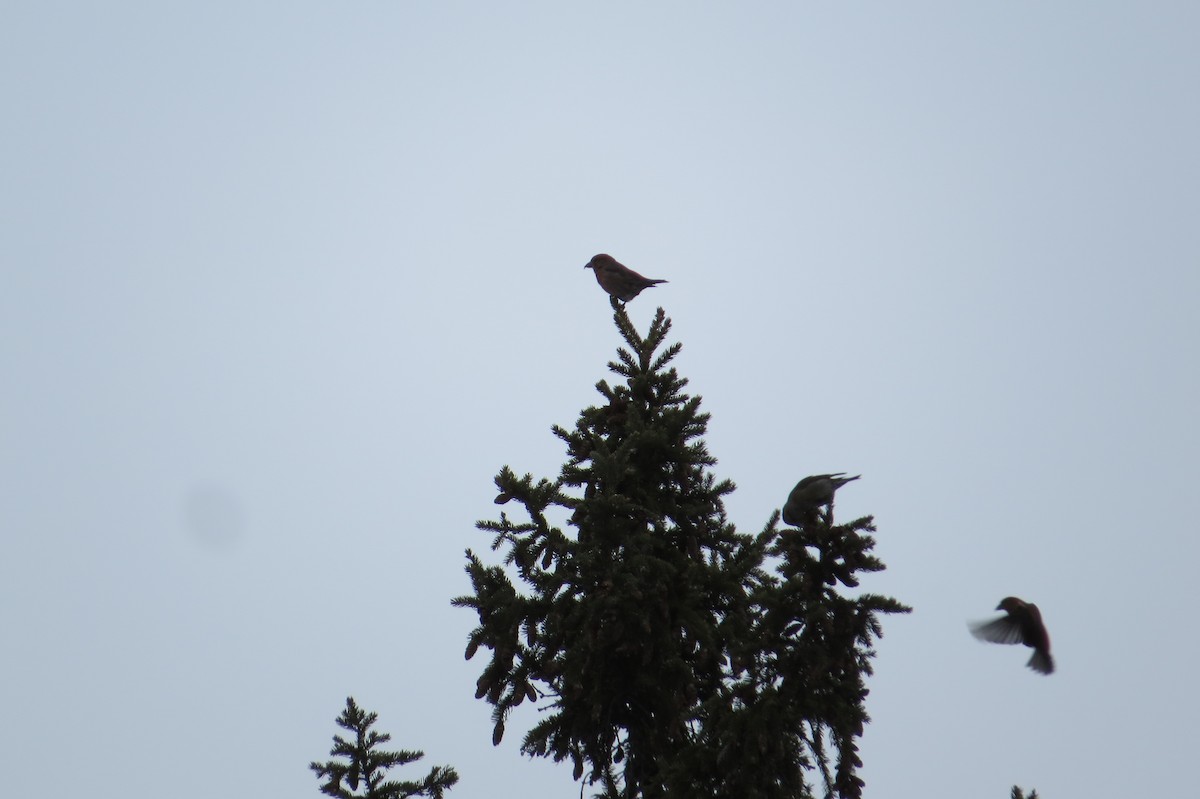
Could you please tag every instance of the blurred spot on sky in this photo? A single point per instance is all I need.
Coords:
(214, 516)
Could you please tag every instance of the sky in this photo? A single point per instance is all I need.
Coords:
(284, 285)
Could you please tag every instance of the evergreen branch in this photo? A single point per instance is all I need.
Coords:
(363, 762)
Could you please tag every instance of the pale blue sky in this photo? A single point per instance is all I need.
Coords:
(285, 284)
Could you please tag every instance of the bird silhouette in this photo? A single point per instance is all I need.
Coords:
(1022, 625)
(810, 494)
(617, 279)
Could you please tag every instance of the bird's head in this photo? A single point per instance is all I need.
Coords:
(1010, 604)
(601, 260)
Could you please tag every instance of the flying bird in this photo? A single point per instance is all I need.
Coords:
(617, 279)
(1022, 625)
(810, 494)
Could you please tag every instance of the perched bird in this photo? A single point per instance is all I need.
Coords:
(617, 279)
(1022, 625)
(810, 494)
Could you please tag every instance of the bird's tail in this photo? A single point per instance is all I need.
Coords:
(1041, 662)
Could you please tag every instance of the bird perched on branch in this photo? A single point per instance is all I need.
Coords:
(812, 493)
(1022, 625)
(617, 279)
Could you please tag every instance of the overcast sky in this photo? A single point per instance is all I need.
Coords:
(285, 284)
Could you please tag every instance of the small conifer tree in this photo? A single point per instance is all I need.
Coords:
(677, 657)
(363, 765)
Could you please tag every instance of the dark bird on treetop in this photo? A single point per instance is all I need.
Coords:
(1022, 625)
(810, 494)
(617, 279)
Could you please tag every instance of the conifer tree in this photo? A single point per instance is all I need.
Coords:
(675, 656)
(364, 764)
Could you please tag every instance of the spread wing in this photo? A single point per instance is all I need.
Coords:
(1004, 630)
